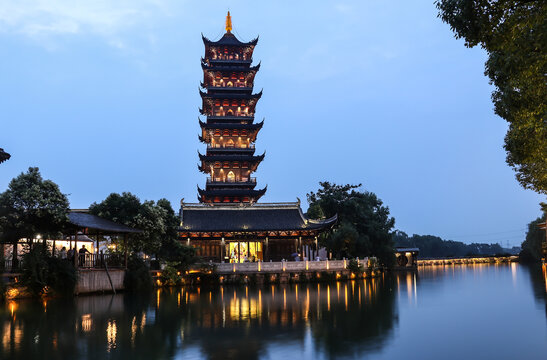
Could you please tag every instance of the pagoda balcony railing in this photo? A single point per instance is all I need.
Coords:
(224, 147)
(231, 117)
(241, 87)
(251, 180)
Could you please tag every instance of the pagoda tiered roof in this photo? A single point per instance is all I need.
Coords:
(235, 126)
(229, 39)
(215, 65)
(252, 159)
(231, 95)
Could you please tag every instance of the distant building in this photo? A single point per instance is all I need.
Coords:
(228, 225)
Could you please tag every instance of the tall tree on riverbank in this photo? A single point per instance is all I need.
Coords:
(535, 237)
(365, 225)
(32, 206)
(514, 34)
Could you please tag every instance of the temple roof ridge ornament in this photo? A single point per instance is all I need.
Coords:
(228, 23)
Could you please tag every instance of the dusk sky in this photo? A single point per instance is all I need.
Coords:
(103, 97)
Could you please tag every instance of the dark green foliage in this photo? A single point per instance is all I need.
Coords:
(32, 206)
(3, 290)
(434, 247)
(137, 276)
(173, 250)
(43, 273)
(171, 275)
(514, 34)
(364, 223)
(158, 222)
(535, 237)
(355, 267)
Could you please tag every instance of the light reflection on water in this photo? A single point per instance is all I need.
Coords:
(356, 318)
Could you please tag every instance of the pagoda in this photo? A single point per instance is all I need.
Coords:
(228, 225)
(230, 132)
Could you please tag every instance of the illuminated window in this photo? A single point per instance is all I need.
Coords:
(231, 176)
(217, 165)
(230, 143)
(226, 103)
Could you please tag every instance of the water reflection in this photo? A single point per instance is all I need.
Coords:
(345, 318)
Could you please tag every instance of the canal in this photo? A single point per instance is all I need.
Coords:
(449, 312)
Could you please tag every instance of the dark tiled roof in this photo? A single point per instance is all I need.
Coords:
(256, 217)
(233, 192)
(4, 155)
(231, 126)
(407, 250)
(98, 224)
(232, 95)
(250, 158)
(228, 39)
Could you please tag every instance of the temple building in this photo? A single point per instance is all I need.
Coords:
(228, 225)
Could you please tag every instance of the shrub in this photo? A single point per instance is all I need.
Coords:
(355, 267)
(170, 275)
(137, 276)
(42, 273)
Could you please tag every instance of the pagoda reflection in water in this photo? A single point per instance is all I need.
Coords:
(230, 322)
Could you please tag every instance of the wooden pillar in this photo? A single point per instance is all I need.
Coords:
(125, 250)
(75, 257)
(238, 251)
(266, 255)
(222, 249)
(53, 249)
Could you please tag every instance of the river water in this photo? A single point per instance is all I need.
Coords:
(450, 312)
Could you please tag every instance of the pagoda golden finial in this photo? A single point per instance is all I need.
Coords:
(228, 23)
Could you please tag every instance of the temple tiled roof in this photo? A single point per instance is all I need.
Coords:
(248, 218)
(228, 39)
(98, 224)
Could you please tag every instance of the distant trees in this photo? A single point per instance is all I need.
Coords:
(364, 223)
(515, 37)
(535, 237)
(434, 247)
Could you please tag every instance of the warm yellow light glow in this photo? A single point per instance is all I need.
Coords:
(228, 22)
(111, 332)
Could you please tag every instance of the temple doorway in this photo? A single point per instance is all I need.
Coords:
(244, 251)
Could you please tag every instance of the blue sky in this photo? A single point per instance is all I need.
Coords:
(103, 97)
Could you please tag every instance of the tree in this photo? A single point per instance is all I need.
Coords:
(31, 206)
(535, 237)
(157, 220)
(365, 225)
(514, 34)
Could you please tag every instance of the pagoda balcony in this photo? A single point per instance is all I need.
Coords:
(226, 59)
(242, 181)
(234, 148)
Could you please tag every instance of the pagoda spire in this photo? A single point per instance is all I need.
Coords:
(228, 23)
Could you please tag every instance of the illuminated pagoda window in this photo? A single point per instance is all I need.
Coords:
(229, 104)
